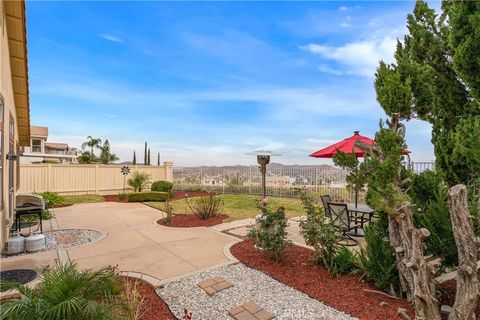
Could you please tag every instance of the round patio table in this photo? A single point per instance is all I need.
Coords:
(360, 210)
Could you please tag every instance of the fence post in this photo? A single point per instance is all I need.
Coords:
(316, 179)
(96, 179)
(168, 170)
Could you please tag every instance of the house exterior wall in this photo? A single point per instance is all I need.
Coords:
(14, 120)
(49, 152)
(7, 97)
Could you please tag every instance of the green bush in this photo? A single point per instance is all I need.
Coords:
(424, 187)
(377, 261)
(319, 232)
(66, 293)
(430, 195)
(122, 196)
(147, 196)
(53, 198)
(163, 186)
(206, 207)
(271, 234)
(343, 262)
(169, 213)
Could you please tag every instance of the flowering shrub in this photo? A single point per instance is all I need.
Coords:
(270, 234)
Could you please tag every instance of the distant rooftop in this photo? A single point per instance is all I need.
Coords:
(38, 132)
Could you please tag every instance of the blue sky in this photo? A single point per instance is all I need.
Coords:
(206, 82)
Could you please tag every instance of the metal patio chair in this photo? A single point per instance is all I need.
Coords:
(342, 220)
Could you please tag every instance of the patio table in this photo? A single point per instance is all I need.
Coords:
(363, 210)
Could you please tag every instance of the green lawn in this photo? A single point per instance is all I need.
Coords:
(88, 198)
(241, 206)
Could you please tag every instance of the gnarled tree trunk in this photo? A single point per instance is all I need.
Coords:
(468, 282)
(414, 267)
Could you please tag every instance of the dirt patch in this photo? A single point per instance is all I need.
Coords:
(191, 220)
(345, 293)
(156, 308)
(113, 198)
(65, 238)
(177, 195)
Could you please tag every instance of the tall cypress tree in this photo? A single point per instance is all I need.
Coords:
(158, 158)
(435, 78)
(134, 161)
(145, 154)
(148, 157)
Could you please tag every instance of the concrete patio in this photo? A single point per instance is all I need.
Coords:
(134, 241)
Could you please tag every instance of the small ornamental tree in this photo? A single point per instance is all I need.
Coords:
(271, 234)
(356, 179)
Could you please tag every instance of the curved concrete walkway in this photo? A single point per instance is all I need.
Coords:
(135, 242)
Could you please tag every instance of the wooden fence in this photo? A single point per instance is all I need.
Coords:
(80, 179)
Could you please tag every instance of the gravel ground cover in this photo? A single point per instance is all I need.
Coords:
(64, 239)
(284, 302)
(69, 238)
(347, 292)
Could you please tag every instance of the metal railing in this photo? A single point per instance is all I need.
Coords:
(281, 181)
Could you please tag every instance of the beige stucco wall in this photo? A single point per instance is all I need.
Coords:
(6, 92)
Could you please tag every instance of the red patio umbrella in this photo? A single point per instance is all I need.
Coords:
(346, 145)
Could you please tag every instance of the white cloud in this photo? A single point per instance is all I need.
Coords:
(343, 8)
(359, 57)
(345, 25)
(327, 69)
(110, 37)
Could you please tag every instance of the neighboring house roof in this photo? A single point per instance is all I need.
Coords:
(17, 45)
(56, 146)
(38, 132)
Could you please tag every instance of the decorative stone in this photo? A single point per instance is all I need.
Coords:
(383, 304)
(214, 285)
(250, 311)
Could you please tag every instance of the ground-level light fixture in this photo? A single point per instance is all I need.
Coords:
(263, 158)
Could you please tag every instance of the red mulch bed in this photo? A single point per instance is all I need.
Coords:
(191, 220)
(177, 195)
(156, 308)
(449, 289)
(113, 198)
(344, 293)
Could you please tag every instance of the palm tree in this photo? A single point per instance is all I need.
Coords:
(65, 293)
(139, 181)
(92, 143)
(106, 156)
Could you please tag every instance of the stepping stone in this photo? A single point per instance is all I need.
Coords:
(250, 311)
(214, 285)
